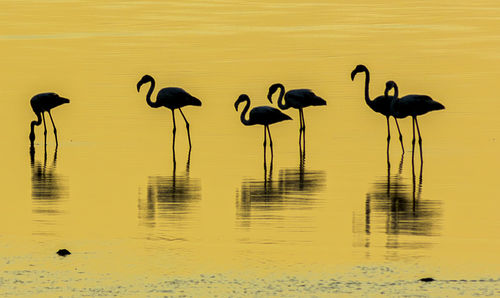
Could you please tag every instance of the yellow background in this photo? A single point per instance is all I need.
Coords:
(113, 147)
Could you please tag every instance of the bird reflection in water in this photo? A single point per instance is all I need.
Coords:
(396, 209)
(293, 189)
(48, 189)
(169, 198)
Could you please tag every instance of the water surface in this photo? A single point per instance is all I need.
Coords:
(111, 194)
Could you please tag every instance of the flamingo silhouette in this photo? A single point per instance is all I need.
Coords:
(297, 99)
(381, 104)
(263, 115)
(411, 105)
(41, 103)
(172, 98)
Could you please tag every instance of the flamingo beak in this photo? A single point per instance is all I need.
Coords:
(139, 86)
(353, 74)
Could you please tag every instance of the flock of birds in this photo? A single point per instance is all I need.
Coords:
(177, 98)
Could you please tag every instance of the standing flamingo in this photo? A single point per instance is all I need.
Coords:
(263, 115)
(297, 99)
(381, 104)
(411, 105)
(172, 98)
(41, 103)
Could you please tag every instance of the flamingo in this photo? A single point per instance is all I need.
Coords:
(41, 103)
(172, 98)
(263, 115)
(411, 105)
(297, 99)
(381, 104)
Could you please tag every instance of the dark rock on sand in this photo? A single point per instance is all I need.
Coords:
(63, 252)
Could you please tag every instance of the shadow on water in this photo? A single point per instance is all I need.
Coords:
(395, 207)
(169, 199)
(292, 189)
(48, 190)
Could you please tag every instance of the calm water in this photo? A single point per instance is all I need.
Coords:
(338, 221)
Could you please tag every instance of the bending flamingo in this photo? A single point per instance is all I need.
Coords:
(297, 99)
(380, 104)
(263, 115)
(41, 103)
(172, 98)
(411, 105)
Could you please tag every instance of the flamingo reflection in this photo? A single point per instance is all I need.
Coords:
(48, 189)
(295, 189)
(169, 199)
(395, 208)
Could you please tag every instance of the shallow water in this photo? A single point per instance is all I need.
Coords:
(339, 220)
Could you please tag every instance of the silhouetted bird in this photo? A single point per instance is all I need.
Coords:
(411, 105)
(172, 98)
(41, 103)
(263, 115)
(381, 104)
(297, 99)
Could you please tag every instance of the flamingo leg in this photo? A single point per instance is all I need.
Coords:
(419, 141)
(388, 141)
(401, 164)
(54, 126)
(400, 135)
(265, 137)
(270, 142)
(187, 127)
(413, 124)
(188, 162)
(44, 128)
(173, 138)
(388, 130)
(413, 143)
(303, 130)
(303, 120)
(413, 184)
(300, 129)
(387, 153)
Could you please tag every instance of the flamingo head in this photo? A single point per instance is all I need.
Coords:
(145, 79)
(359, 68)
(272, 89)
(388, 86)
(241, 98)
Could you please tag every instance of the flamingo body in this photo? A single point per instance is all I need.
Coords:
(302, 98)
(383, 105)
(44, 102)
(175, 98)
(415, 105)
(265, 115)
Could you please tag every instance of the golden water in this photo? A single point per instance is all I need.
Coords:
(110, 193)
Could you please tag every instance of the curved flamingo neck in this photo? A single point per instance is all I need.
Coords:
(367, 85)
(281, 105)
(243, 113)
(396, 92)
(33, 124)
(150, 92)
